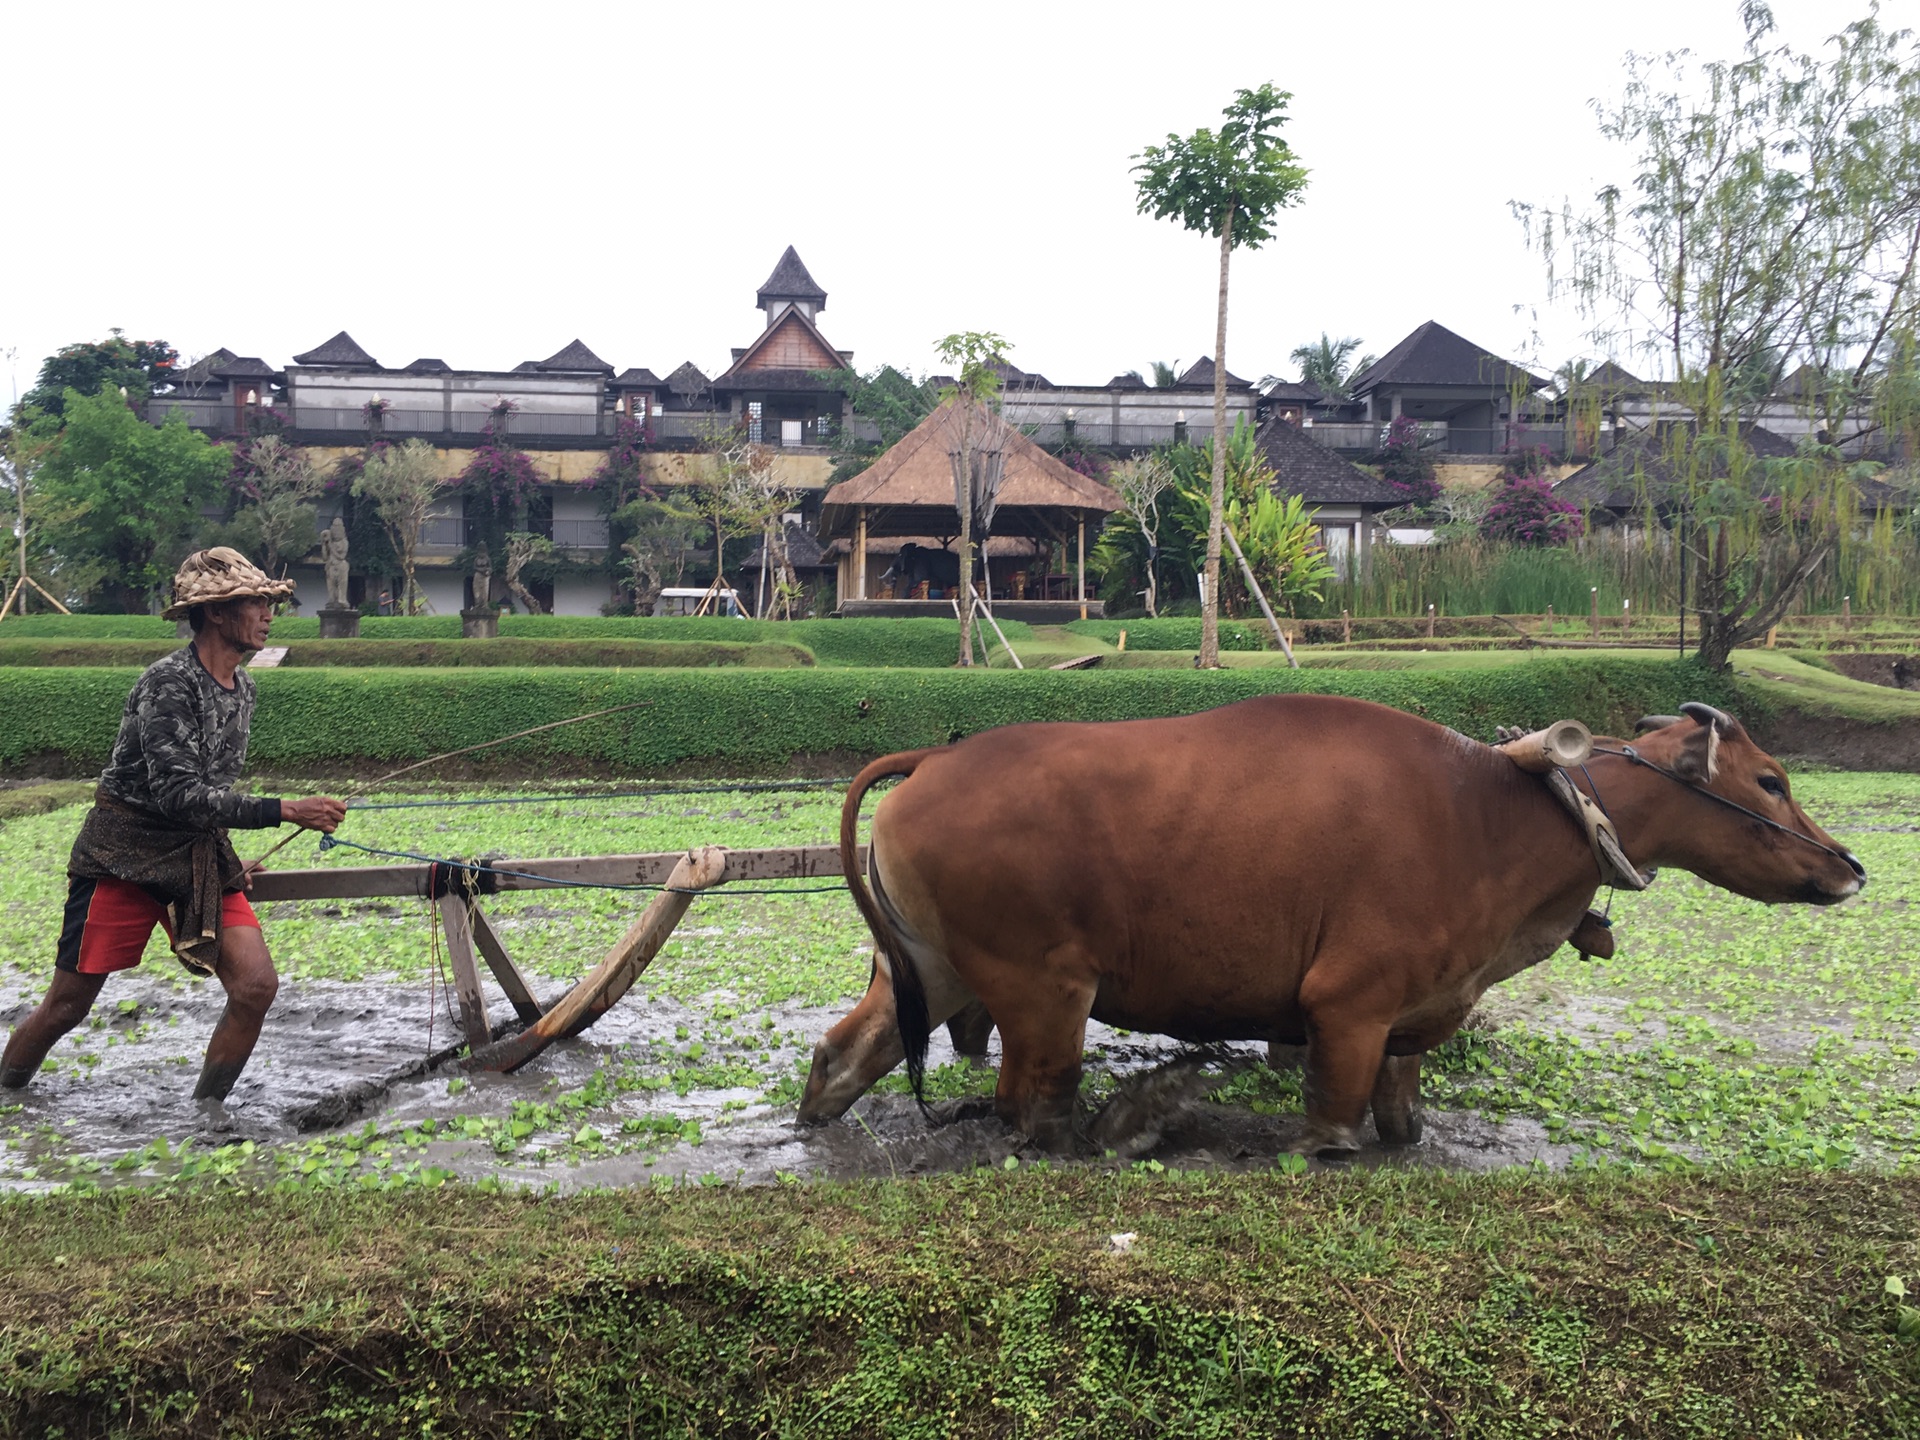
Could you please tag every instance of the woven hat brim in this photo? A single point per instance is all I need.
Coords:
(213, 595)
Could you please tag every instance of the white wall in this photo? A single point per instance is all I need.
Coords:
(445, 590)
(580, 594)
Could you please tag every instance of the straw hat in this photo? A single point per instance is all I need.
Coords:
(207, 577)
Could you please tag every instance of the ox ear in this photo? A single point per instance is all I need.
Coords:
(1699, 759)
(1655, 722)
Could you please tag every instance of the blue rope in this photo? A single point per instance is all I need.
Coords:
(743, 787)
(476, 867)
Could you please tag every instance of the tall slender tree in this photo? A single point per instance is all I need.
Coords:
(1229, 185)
(977, 355)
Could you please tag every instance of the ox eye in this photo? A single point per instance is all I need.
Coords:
(1774, 786)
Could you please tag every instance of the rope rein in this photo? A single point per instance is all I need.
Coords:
(1627, 752)
(653, 792)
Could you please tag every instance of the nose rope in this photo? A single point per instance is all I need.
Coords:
(1629, 753)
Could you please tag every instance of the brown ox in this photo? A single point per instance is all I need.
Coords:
(1296, 868)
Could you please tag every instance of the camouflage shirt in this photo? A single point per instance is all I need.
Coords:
(182, 743)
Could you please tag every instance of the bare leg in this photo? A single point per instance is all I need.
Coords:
(1040, 1050)
(1396, 1100)
(65, 1005)
(1343, 1061)
(969, 1031)
(246, 971)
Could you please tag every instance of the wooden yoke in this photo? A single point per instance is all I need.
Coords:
(1562, 745)
(614, 975)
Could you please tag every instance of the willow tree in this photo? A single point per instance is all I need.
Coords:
(1229, 185)
(1763, 253)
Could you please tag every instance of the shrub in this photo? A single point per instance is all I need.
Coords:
(1526, 511)
(738, 722)
(1406, 466)
(413, 654)
(924, 642)
(1172, 633)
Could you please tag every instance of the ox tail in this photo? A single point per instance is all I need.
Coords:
(909, 993)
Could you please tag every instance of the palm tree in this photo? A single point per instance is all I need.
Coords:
(1324, 366)
(1164, 376)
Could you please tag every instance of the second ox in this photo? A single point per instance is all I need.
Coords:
(1298, 869)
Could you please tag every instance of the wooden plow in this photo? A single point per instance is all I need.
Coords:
(455, 889)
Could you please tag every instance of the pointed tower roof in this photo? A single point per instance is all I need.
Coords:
(574, 356)
(790, 281)
(342, 349)
(1434, 355)
(1199, 375)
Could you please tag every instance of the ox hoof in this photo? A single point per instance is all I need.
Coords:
(1329, 1142)
(1404, 1128)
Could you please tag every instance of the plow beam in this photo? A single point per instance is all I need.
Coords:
(591, 997)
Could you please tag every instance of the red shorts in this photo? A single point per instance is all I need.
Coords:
(109, 921)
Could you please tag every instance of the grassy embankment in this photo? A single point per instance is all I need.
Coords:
(1387, 1303)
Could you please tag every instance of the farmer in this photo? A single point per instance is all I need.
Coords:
(154, 848)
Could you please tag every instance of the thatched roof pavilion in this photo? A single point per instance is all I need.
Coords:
(909, 492)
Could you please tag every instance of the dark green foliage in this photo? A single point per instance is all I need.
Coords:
(412, 654)
(736, 722)
(1180, 632)
(1399, 1302)
(95, 365)
(121, 497)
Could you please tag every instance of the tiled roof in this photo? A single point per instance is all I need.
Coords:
(1615, 481)
(429, 365)
(1129, 381)
(790, 281)
(637, 379)
(575, 357)
(342, 349)
(1434, 355)
(1199, 376)
(244, 367)
(1304, 467)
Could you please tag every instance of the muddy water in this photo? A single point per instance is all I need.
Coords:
(338, 1056)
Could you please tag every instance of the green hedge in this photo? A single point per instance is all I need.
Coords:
(738, 722)
(1178, 632)
(520, 651)
(886, 643)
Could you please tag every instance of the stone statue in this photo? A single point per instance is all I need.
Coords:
(333, 554)
(482, 577)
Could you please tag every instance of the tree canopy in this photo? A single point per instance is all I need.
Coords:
(123, 498)
(91, 366)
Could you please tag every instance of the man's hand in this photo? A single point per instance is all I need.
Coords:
(320, 812)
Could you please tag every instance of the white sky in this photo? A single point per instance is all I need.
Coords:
(483, 182)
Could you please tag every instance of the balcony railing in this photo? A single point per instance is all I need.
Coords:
(1366, 437)
(588, 534)
(199, 414)
(1106, 434)
(458, 422)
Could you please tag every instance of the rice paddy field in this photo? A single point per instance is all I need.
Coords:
(1722, 1032)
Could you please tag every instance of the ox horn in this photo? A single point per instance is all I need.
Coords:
(1565, 743)
(1702, 714)
(1655, 722)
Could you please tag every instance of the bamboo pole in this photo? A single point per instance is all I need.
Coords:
(1226, 532)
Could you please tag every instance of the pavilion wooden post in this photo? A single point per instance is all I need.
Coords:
(860, 555)
(1080, 585)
